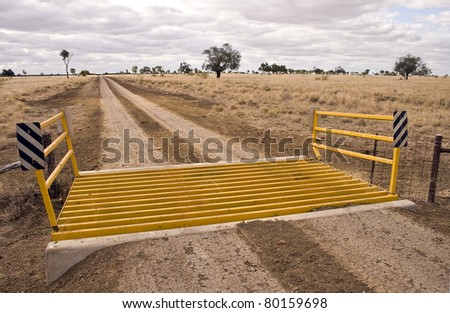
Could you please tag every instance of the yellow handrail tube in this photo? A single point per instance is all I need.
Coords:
(46, 197)
(55, 143)
(394, 170)
(357, 115)
(44, 184)
(51, 120)
(354, 154)
(394, 162)
(70, 148)
(58, 169)
(354, 134)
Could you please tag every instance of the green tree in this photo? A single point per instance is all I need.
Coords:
(8, 73)
(84, 73)
(317, 70)
(221, 59)
(339, 70)
(278, 68)
(145, 70)
(66, 55)
(134, 69)
(185, 68)
(265, 67)
(410, 64)
(158, 70)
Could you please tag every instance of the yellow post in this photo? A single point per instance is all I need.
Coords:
(314, 133)
(47, 201)
(394, 170)
(70, 147)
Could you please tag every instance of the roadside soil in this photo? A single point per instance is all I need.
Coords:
(24, 227)
(265, 257)
(377, 251)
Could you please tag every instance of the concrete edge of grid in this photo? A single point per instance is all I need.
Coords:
(62, 255)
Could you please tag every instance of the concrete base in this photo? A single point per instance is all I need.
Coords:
(62, 255)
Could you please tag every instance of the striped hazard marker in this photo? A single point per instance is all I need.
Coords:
(31, 148)
(400, 129)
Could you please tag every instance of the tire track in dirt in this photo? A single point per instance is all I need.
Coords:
(384, 249)
(174, 122)
(210, 262)
(116, 122)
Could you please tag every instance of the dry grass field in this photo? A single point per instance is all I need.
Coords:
(254, 103)
(268, 101)
(235, 105)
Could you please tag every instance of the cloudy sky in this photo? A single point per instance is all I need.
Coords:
(113, 35)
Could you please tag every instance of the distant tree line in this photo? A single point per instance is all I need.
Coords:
(7, 73)
(147, 70)
(404, 66)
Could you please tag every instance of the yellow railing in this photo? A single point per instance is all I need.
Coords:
(45, 184)
(316, 146)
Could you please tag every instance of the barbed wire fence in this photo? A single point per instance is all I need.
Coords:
(414, 168)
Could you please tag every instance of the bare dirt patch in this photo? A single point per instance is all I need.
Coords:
(435, 216)
(386, 250)
(211, 262)
(298, 262)
(24, 228)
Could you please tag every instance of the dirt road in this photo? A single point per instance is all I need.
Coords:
(118, 124)
(380, 251)
(173, 122)
(212, 262)
(377, 251)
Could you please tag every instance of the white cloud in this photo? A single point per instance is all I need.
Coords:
(441, 19)
(112, 36)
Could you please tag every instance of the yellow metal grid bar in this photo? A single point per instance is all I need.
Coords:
(167, 177)
(206, 201)
(247, 205)
(202, 193)
(355, 134)
(204, 169)
(142, 227)
(162, 199)
(244, 186)
(165, 208)
(218, 182)
(357, 115)
(188, 214)
(192, 200)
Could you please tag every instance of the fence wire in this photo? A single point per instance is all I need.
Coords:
(414, 169)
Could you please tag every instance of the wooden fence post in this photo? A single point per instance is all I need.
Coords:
(55, 189)
(435, 167)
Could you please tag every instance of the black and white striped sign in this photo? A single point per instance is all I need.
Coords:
(31, 148)
(400, 129)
